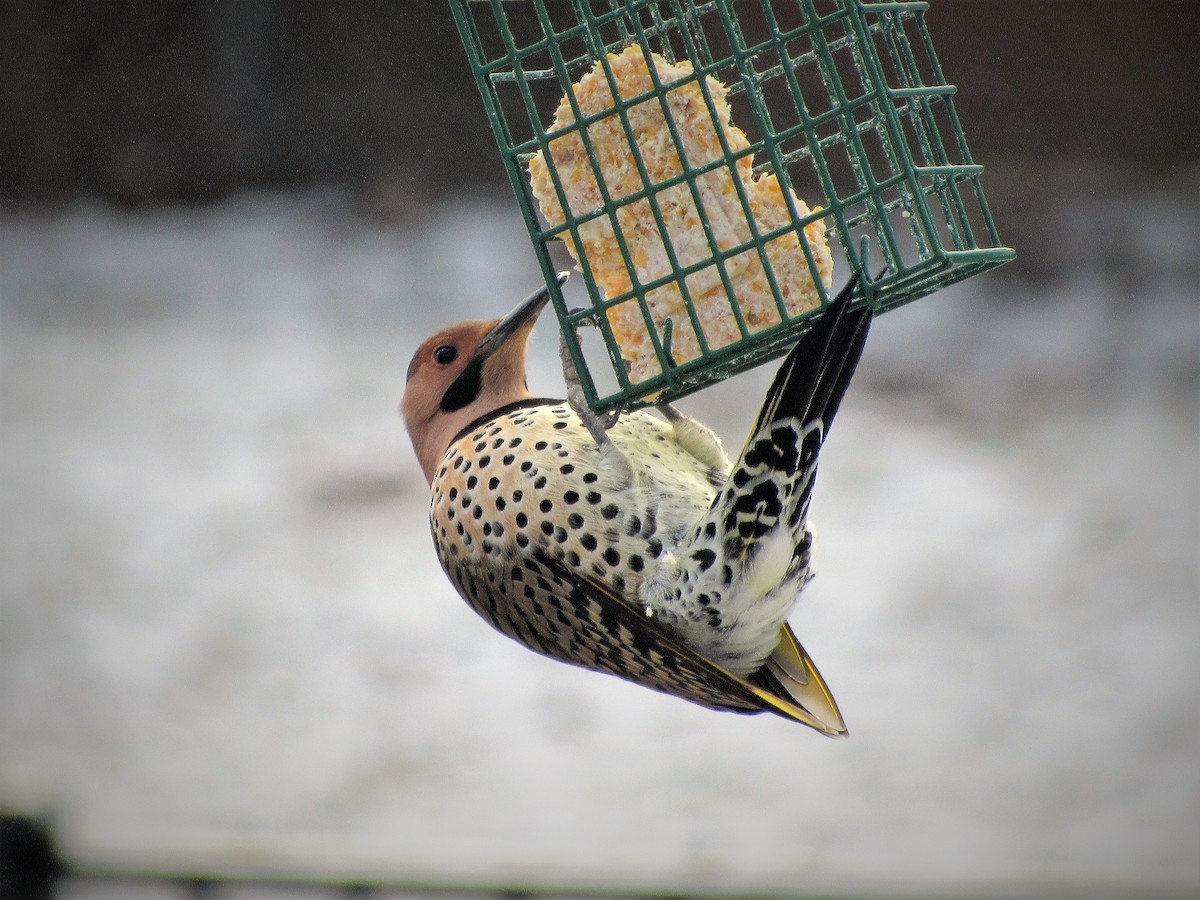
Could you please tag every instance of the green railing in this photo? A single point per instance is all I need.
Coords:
(843, 100)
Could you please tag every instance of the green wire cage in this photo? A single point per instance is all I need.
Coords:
(842, 102)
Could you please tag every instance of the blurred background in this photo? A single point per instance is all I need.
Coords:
(226, 647)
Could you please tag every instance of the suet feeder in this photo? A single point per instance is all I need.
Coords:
(843, 105)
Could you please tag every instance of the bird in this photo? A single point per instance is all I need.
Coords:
(632, 545)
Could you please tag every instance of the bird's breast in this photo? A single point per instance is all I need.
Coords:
(533, 479)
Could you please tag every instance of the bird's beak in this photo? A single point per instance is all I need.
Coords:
(520, 318)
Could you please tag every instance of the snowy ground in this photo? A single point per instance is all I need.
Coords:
(225, 643)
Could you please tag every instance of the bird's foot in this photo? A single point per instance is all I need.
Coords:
(597, 425)
(698, 439)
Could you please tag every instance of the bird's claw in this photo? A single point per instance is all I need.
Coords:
(597, 423)
(668, 349)
(608, 419)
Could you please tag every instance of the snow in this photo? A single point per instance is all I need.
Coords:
(225, 644)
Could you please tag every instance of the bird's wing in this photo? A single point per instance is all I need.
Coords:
(544, 605)
(790, 672)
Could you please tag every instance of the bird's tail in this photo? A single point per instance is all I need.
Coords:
(757, 525)
(807, 389)
(813, 379)
(771, 482)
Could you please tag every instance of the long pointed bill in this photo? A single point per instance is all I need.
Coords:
(525, 314)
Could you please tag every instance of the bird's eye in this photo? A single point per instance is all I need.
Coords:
(445, 354)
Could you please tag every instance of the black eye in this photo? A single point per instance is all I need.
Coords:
(445, 354)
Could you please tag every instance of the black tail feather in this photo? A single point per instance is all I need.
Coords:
(816, 373)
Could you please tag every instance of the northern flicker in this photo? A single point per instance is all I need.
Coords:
(635, 547)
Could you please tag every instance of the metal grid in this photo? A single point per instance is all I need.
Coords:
(843, 99)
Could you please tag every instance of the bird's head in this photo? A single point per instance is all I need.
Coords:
(463, 372)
